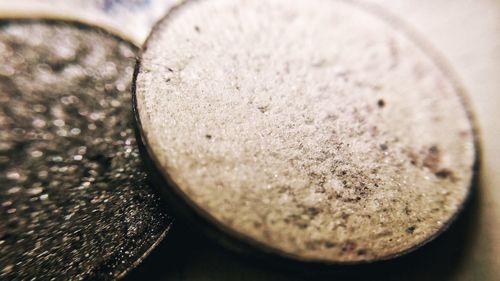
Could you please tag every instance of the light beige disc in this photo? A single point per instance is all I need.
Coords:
(315, 128)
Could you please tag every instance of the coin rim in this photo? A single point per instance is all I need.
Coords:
(84, 25)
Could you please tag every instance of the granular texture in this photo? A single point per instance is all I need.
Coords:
(75, 201)
(315, 128)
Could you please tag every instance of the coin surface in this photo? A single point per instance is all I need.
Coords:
(75, 201)
(314, 130)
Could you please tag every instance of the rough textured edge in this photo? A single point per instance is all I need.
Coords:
(238, 241)
(146, 253)
(82, 25)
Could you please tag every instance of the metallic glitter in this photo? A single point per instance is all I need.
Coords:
(74, 200)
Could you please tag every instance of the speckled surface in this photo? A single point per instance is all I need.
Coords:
(315, 128)
(75, 202)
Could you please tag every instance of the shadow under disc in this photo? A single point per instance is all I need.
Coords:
(188, 255)
(75, 201)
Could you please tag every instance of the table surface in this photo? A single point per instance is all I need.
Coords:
(465, 32)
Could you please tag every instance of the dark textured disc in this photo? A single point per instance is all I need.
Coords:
(75, 201)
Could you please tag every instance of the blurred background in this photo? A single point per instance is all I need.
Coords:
(465, 32)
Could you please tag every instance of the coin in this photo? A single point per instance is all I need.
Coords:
(75, 200)
(314, 131)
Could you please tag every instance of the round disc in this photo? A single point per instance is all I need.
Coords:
(314, 130)
(75, 202)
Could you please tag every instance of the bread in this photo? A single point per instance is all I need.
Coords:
(316, 129)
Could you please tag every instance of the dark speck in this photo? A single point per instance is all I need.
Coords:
(381, 103)
(348, 246)
(383, 147)
(411, 229)
(329, 244)
(444, 173)
(361, 252)
(263, 109)
(312, 211)
(197, 28)
(432, 158)
(434, 149)
(208, 136)
(345, 216)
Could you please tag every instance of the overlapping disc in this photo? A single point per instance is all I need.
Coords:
(75, 200)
